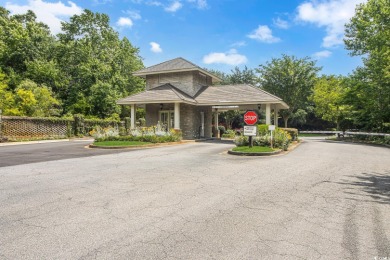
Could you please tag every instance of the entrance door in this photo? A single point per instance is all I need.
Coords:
(167, 119)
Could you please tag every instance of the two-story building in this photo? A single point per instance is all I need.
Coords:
(180, 95)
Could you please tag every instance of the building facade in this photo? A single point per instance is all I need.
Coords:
(181, 95)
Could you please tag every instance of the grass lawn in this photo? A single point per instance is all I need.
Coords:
(120, 143)
(254, 149)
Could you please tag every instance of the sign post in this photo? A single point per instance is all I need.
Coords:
(272, 129)
(250, 120)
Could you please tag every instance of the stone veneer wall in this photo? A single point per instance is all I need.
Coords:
(151, 115)
(190, 121)
(189, 118)
(189, 82)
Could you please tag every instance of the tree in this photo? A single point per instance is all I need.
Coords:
(6, 97)
(23, 40)
(245, 76)
(329, 99)
(91, 54)
(32, 99)
(368, 34)
(291, 79)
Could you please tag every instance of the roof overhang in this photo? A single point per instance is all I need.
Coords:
(144, 74)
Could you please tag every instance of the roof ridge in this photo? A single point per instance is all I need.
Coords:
(176, 90)
(155, 65)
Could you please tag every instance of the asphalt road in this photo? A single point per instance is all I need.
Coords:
(42, 152)
(321, 201)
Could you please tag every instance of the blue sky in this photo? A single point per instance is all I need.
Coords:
(219, 34)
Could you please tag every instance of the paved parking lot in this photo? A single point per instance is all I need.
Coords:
(321, 201)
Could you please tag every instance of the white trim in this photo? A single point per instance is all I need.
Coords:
(170, 124)
(268, 114)
(132, 117)
(177, 116)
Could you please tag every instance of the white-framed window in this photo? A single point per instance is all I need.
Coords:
(167, 118)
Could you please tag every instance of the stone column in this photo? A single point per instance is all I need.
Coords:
(177, 116)
(132, 116)
(268, 114)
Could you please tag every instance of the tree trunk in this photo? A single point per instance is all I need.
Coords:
(285, 121)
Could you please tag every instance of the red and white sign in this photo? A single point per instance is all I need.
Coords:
(250, 118)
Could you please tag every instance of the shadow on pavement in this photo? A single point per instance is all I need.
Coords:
(216, 141)
(374, 185)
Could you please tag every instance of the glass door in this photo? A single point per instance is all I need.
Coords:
(167, 119)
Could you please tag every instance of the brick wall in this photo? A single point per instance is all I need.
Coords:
(25, 127)
(18, 128)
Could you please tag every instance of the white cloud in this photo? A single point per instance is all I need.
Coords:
(238, 44)
(124, 22)
(154, 3)
(155, 47)
(102, 2)
(200, 4)
(264, 34)
(133, 14)
(280, 23)
(231, 58)
(176, 5)
(322, 54)
(331, 14)
(49, 13)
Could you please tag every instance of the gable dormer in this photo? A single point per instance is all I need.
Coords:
(178, 72)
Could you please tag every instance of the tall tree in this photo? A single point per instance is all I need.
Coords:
(368, 34)
(245, 76)
(24, 42)
(329, 99)
(90, 54)
(291, 79)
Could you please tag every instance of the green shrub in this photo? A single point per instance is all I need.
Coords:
(241, 140)
(282, 139)
(221, 129)
(292, 131)
(171, 136)
(229, 134)
(262, 129)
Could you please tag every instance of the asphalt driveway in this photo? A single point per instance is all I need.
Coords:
(42, 152)
(193, 201)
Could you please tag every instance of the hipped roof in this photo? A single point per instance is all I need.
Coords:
(242, 94)
(172, 66)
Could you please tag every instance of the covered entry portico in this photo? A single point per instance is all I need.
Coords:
(181, 95)
(195, 117)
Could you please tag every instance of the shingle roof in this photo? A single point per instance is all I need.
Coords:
(242, 93)
(164, 93)
(175, 65)
(212, 95)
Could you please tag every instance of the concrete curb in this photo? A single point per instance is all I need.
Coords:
(254, 154)
(137, 146)
(278, 153)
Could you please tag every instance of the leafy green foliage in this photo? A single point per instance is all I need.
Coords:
(368, 34)
(291, 79)
(86, 69)
(329, 99)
